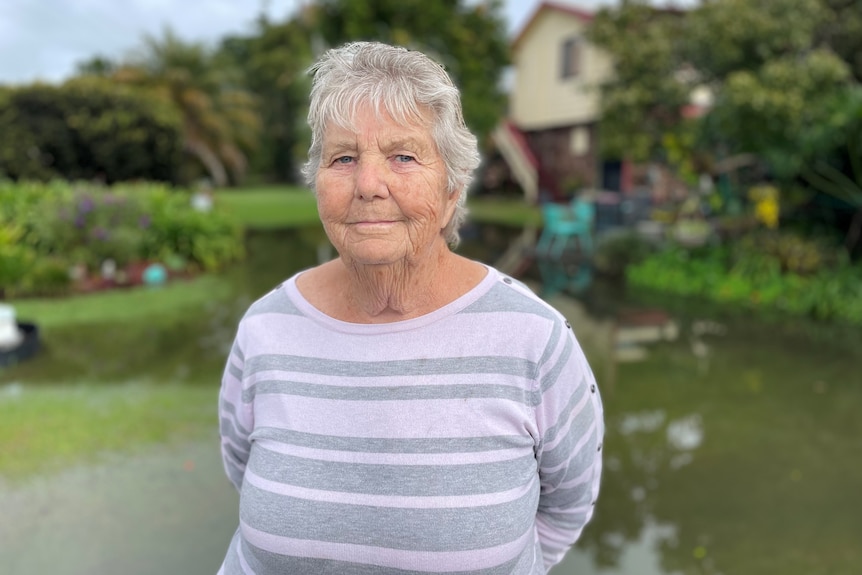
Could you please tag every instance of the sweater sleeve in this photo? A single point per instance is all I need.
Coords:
(569, 419)
(236, 418)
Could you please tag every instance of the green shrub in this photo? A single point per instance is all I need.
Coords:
(46, 230)
(791, 275)
(15, 258)
(614, 253)
(88, 129)
(791, 252)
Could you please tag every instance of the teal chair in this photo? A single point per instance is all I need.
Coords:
(567, 226)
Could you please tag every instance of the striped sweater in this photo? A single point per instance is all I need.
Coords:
(464, 441)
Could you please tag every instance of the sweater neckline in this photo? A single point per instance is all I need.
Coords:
(450, 309)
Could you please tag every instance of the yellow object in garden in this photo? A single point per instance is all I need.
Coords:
(766, 207)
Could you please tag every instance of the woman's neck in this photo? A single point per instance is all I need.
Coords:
(388, 293)
(401, 290)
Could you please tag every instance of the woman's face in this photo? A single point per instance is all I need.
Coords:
(381, 191)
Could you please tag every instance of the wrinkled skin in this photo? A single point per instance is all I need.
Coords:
(383, 200)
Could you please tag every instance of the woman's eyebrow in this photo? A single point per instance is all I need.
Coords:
(408, 143)
(339, 144)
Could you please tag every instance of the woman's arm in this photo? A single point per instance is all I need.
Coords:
(570, 421)
(235, 418)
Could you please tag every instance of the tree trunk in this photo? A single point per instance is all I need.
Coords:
(854, 232)
(210, 160)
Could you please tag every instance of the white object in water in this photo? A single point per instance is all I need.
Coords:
(10, 335)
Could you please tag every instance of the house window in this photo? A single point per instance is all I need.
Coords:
(571, 58)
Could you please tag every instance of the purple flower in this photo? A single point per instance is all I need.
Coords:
(86, 205)
(80, 221)
(144, 221)
(100, 233)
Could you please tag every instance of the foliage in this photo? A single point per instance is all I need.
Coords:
(841, 29)
(204, 239)
(57, 226)
(839, 173)
(468, 38)
(726, 36)
(787, 253)
(15, 258)
(770, 110)
(616, 252)
(645, 98)
(780, 272)
(272, 61)
(783, 78)
(220, 122)
(87, 129)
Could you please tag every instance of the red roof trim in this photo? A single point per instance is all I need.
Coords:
(579, 13)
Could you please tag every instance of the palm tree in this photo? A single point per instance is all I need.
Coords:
(220, 118)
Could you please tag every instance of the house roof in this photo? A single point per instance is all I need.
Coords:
(569, 9)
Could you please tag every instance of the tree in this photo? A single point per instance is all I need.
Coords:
(841, 30)
(645, 98)
(273, 61)
(779, 72)
(468, 38)
(220, 118)
(85, 129)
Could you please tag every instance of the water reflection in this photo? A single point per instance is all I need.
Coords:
(732, 447)
(723, 457)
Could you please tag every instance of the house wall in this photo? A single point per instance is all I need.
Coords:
(540, 97)
(564, 168)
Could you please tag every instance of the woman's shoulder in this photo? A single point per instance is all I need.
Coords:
(275, 301)
(508, 294)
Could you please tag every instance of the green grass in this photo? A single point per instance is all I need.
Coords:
(121, 305)
(269, 207)
(285, 206)
(47, 428)
(504, 211)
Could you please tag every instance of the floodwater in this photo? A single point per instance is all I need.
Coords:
(733, 447)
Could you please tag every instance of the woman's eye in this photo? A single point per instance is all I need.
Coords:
(343, 160)
(404, 158)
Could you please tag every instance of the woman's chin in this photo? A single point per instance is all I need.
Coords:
(375, 255)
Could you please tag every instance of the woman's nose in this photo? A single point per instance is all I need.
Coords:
(371, 181)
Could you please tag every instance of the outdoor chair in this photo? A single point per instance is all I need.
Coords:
(566, 226)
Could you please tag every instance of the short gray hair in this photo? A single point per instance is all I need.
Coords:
(405, 84)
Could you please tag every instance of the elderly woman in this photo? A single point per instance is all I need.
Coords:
(403, 409)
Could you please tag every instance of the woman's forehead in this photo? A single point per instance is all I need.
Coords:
(413, 117)
(381, 127)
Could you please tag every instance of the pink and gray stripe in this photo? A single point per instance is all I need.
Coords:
(465, 441)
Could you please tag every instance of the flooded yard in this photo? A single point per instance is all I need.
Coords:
(733, 447)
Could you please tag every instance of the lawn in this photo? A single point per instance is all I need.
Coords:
(286, 206)
(269, 207)
(122, 305)
(48, 428)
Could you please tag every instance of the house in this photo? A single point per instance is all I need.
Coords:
(550, 139)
